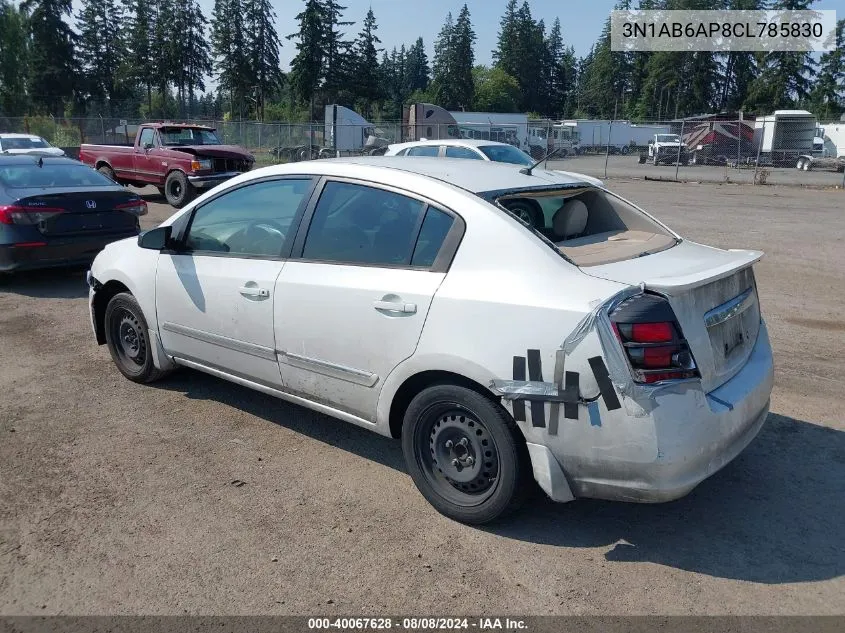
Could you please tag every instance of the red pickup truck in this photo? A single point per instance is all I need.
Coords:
(178, 158)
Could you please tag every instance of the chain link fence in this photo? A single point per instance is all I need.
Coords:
(784, 149)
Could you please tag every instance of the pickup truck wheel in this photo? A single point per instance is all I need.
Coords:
(107, 171)
(178, 190)
(128, 339)
(465, 454)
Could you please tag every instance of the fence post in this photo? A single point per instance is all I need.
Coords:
(759, 147)
(102, 129)
(739, 130)
(680, 144)
(55, 128)
(607, 149)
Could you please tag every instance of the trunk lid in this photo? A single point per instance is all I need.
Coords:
(713, 294)
(83, 212)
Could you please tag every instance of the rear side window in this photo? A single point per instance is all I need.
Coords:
(432, 234)
(462, 152)
(52, 175)
(363, 225)
(424, 150)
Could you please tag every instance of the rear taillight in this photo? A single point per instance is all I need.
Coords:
(135, 207)
(14, 214)
(652, 339)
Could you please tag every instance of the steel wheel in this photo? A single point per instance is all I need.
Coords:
(461, 460)
(130, 340)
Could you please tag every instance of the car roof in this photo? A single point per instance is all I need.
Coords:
(464, 142)
(473, 176)
(32, 159)
(159, 125)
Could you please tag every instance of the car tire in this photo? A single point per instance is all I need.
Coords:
(527, 211)
(641, 159)
(107, 171)
(128, 339)
(444, 426)
(178, 190)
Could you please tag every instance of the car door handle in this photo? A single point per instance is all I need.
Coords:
(395, 306)
(253, 291)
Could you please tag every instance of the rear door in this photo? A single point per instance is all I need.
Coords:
(215, 293)
(351, 303)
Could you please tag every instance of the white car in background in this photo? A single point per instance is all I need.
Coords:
(27, 144)
(491, 151)
(600, 352)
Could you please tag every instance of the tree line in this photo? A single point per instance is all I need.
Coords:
(154, 58)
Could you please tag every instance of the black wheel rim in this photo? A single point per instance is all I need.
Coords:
(175, 189)
(457, 455)
(128, 339)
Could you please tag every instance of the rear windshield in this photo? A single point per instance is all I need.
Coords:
(506, 154)
(188, 136)
(51, 175)
(588, 226)
(23, 143)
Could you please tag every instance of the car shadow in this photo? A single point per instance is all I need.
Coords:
(47, 283)
(772, 516)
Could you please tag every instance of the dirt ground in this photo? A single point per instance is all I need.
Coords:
(117, 498)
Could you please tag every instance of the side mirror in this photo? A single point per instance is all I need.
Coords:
(155, 239)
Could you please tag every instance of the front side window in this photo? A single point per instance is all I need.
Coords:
(424, 150)
(363, 225)
(462, 152)
(254, 220)
(147, 137)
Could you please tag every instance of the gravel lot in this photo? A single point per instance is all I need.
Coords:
(118, 498)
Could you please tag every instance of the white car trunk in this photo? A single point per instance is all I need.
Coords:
(713, 295)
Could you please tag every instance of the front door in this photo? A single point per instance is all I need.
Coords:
(215, 293)
(146, 161)
(352, 306)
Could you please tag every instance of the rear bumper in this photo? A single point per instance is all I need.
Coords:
(68, 251)
(686, 437)
(212, 180)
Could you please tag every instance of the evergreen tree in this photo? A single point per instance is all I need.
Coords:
(101, 49)
(366, 80)
(827, 99)
(463, 59)
(417, 70)
(14, 54)
(140, 64)
(51, 60)
(336, 50)
(191, 59)
(443, 53)
(231, 60)
(783, 78)
(306, 68)
(263, 45)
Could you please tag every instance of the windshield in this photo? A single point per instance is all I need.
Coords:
(506, 154)
(23, 143)
(52, 175)
(668, 138)
(188, 136)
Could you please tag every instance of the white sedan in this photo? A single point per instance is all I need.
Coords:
(597, 350)
(27, 144)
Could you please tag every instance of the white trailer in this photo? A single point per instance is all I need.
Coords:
(346, 130)
(781, 138)
(618, 136)
(828, 149)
